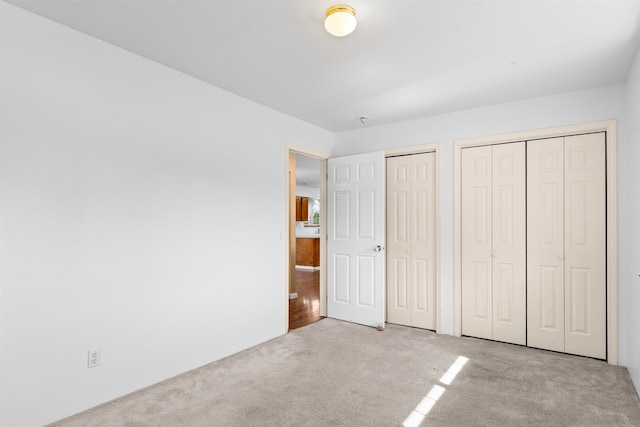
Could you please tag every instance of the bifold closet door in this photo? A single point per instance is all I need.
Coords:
(567, 244)
(509, 243)
(477, 289)
(493, 242)
(545, 244)
(411, 243)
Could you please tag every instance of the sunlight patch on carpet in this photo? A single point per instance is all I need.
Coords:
(448, 377)
(418, 415)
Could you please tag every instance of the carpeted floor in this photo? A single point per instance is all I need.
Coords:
(334, 373)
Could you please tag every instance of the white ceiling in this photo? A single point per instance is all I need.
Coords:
(406, 59)
(307, 171)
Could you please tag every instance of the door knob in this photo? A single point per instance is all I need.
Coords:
(378, 248)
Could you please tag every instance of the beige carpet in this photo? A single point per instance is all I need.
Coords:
(334, 373)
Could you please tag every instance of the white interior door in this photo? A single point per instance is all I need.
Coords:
(356, 239)
(509, 245)
(545, 244)
(493, 242)
(411, 242)
(567, 244)
(398, 240)
(565, 306)
(585, 245)
(423, 240)
(477, 263)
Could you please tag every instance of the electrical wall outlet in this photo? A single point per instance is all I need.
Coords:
(95, 358)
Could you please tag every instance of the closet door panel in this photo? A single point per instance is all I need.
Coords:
(398, 240)
(545, 244)
(423, 242)
(477, 294)
(509, 232)
(585, 245)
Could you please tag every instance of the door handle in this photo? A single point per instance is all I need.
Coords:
(378, 248)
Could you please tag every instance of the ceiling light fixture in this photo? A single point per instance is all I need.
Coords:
(340, 20)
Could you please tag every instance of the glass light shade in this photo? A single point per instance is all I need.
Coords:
(340, 20)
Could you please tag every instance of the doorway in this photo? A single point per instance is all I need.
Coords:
(305, 244)
(290, 252)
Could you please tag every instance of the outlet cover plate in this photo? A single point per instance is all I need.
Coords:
(94, 358)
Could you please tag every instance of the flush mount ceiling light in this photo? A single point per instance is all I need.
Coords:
(340, 20)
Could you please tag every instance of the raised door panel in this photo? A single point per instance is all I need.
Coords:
(545, 244)
(509, 237)
(585, 245)
(476, 195)
(369, 226)
(423, 241)
(339, 265)
(398, 240)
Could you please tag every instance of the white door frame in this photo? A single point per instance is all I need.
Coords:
(608, 126)
(414, 149)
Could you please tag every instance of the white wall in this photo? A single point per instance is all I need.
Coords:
(595, 104)
(629, 236)
(122, 228)
(126, 192)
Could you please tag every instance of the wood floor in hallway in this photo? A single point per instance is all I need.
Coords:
(306, 308)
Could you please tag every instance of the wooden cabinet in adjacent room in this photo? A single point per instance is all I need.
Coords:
(302, 208)
(308, 252)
